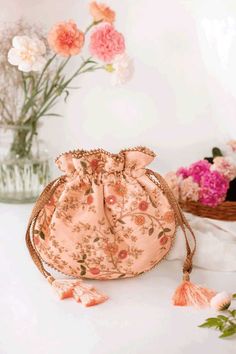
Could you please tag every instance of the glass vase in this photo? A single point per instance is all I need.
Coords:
(24, 164)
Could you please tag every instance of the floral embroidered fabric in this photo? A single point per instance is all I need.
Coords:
(108, 219)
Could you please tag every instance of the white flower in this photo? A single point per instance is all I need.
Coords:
(221, 301)
(27, 53)
(123, 69)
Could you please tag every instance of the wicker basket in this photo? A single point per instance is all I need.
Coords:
(225, 211)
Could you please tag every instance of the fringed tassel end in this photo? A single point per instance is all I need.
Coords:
(80, 291)
(189, 294)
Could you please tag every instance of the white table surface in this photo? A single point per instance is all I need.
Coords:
(138, 318)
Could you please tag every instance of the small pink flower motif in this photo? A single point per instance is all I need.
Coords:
(94, 164)
(164, 240)
(189, 190)
(94, 271)
(183, 172)
(143, 205)
(225, 166)
(123, 254)
(89, 199)
(213, 188)
(198, 169)
(221, 301)
(111, 199)
(106, 43)
(51, 201)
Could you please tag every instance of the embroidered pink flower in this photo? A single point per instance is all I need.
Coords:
(143, 205)
(213, 190)
(198, 169)
(106, 43)
(169, 216)
(173, 182)
(183, 172)
(66, 39)
(164, 240)
(111, 248)
(94, 271)
(225, 166)
(111, 199)
(139, 219)
(36, 240)
(120, 189)
(101, 12)
(232, 145)
(89, 199)
(189, 190)
(123, 254)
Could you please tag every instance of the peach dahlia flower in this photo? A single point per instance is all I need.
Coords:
(66, 39)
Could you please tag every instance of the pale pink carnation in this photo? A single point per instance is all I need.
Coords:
(198, 169)
(189, 190)
(106, 43)
(183, 172)
(221, 301)
(225, 166)
(232, 145)
(173, 182)
(213, 189)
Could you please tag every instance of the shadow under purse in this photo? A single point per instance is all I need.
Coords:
(108, 217)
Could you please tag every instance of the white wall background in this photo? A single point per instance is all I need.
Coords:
(181, 100)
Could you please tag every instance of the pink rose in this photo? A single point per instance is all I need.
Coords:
(189, 190)
(225, 166)
(198, 169)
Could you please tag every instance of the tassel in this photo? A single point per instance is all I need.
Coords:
(88, 295)
(80, 291)
(189, 294)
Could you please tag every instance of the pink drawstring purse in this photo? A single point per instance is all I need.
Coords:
(108, 217)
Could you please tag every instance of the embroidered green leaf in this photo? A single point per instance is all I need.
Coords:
(41, 234)
(152, 202)
(80, 261)
(121, 221)
(36, 231)
(150, 231)
(96, 239)
(160, 234)
(166, 229)
(83, 270)
(84, 256)
(83, 164)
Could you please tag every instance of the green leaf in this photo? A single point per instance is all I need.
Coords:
(216, 152)
(41, 234)
(83, 269)
(234, 296)
(233, 313)
(83, 164)
(224, 318)
(210, 322)
(80, 261)
(228, 332)
(84, 256)
(160, 234)
(150, 231)
(120, 221)
(152, 202)
(83, 272)
(96, 239)
(166, 229)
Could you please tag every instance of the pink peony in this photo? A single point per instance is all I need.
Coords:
(225, 166)
(66, 39)
(213, 190)
(189, 190)
(198, 169)
(106, 43)
(183, 172)
(173, 182)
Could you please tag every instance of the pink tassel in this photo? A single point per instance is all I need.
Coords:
(64, 287)
(88, 295)
(80, 291)
(189, 294)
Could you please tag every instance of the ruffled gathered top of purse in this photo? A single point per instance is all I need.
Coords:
(130, 161)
